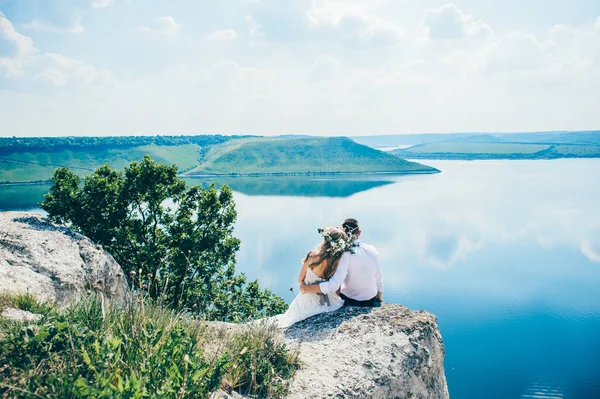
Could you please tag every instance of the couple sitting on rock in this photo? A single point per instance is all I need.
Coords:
(342, 271)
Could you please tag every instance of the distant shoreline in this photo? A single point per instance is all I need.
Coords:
(284, 174)
(298, 174)
(25, 183)
(485, 156)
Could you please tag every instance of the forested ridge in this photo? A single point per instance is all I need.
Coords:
(10, 145)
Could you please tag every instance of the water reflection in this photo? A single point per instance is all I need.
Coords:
(301, 186)
(444, 250)
(22, 197)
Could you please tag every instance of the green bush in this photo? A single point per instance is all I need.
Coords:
(178, 240)
(141, 350)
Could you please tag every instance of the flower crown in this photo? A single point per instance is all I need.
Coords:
(342, 244)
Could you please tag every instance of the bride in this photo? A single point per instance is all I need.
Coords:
(318, 266)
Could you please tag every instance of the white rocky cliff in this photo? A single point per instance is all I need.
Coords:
(389, 352)
(53, 263)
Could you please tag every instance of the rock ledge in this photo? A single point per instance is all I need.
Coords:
(386, 352)
(53, 263)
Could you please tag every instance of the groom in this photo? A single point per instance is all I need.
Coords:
(358, 275)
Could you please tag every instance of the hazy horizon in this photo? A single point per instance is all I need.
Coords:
(174, 134)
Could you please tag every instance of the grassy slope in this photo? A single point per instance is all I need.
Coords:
(19, 172)
(304, 155)
(34, 166)
(479, 148)
(580, 137)
(455, 150)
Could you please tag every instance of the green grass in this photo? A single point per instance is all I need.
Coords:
(39, 166)
(303, 155)
(140, 350)
(478, 148)
(11, 171)
(23, 302)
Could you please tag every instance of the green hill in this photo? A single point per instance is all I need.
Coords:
(590, 137)
(313, 155)
(34, 159)
(471, 146)
(497, 150)
(477, 148)
(26, 160)
(39, 165)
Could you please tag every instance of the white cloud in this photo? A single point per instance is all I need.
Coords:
(354, 23)
(101, 3)
(515, 51)
(52, 68)
(63, 70)
(16, 49)
(449, 22)
(253, 26)
(592, 252)
(166, 26)
(333, 21)
(325, 68)
(222, 35)
(43, 26)
(225, 74)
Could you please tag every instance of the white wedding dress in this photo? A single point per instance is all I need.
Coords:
(307, 305)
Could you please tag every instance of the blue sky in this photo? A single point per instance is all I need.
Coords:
(323, 67)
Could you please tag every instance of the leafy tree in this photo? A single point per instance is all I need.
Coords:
(175, 243)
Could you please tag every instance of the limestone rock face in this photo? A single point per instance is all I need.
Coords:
(387, 352)
(53, 263)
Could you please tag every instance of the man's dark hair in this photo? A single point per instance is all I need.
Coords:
(351, 226)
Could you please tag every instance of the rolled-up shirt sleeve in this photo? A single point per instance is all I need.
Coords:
(335, 282)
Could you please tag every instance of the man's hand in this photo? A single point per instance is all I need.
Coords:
(380, 296)
(302, 287)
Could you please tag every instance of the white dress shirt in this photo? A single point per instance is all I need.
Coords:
(358, 274)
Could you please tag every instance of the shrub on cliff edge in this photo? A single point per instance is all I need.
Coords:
(178, 240)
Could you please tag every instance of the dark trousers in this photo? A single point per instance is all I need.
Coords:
(369, 303)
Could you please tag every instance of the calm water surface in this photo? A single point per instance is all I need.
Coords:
(505, 253)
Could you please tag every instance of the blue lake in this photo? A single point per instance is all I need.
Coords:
(505, 253)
